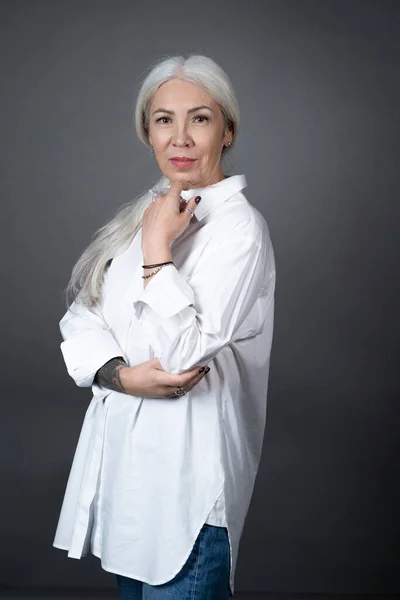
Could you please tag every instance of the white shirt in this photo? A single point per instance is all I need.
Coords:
(148, 473)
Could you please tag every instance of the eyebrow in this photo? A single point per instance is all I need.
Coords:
(191, 110)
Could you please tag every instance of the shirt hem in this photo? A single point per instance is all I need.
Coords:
(67, 549)
(97, 553)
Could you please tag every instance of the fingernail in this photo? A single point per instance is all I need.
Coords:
(208, 368)
(201, 370)
(197, 199)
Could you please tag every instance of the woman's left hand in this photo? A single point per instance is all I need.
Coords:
(165, 219)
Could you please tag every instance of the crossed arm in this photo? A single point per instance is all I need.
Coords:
(230, 292)
(229, 295)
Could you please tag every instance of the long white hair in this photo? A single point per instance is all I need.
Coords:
(114, 237)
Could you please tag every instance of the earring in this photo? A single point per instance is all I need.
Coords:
(229, 143)
(151, 149)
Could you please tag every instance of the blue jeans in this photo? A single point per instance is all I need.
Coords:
(204, 576)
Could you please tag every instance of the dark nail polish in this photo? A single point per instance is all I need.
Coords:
(208, 368)
(201, 370)
(197, 199)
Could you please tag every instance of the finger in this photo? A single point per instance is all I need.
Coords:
(176, 379)
(188, 386)
(176, 188)
(185, 378)
(182, 207)
(192, 205)
(198, 378)
(170, 391)
(188, 383)
(193, 381)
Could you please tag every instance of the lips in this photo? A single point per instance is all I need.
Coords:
(183, 162)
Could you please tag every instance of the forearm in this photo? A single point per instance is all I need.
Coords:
(108, 375)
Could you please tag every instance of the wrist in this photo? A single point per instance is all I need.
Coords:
(126, 377)
(156, 253)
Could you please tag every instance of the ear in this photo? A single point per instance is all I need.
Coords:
(228, 138)
(228, 133)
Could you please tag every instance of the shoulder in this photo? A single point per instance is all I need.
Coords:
(238, 216)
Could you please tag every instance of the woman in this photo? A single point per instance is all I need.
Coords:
(180, 280)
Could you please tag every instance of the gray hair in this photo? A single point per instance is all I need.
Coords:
(113, 238)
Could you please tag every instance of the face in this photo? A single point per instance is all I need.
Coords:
(178, 128)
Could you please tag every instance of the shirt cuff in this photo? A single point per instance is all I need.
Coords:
(85, 353)
(167, 293)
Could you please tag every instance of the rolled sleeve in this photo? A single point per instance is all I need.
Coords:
(229, 293)
(88, 343)
(167, 294)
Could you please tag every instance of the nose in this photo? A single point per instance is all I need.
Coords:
(180, 136)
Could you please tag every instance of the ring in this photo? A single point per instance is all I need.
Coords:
(189, 210)
(180, 391)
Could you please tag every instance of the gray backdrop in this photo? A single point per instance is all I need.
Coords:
(318, 85)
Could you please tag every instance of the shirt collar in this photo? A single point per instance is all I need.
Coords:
(214, 194)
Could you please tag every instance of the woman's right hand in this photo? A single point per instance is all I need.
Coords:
(149, 380)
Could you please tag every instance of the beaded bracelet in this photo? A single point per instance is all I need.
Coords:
(158, 269)
(152, 273)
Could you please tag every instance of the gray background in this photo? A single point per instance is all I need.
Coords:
(318, 84)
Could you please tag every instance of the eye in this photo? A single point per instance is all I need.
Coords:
(197, 117)
(202, 117)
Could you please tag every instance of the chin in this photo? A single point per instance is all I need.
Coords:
(181, 176)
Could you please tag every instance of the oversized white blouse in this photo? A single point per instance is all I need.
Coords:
(148, 473)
